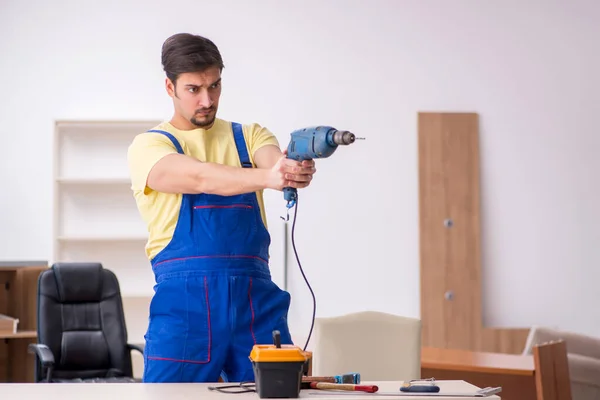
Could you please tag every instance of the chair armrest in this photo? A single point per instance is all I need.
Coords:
(138, 347)
(45, 357)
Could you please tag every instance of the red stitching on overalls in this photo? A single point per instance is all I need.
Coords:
(176, 360)
(209, 336)
(251, 311)
(215, 256)
(224, 206)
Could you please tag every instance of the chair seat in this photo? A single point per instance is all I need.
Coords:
(120, 379)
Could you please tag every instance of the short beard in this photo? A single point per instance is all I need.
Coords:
(202, 124)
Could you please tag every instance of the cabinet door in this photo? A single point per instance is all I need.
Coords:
(449, 229)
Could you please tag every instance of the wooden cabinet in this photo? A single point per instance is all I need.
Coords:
(18, 299)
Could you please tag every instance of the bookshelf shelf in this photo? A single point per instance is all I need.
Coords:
(103, 239)
(19, 335)
(94, 181)
(95, 216)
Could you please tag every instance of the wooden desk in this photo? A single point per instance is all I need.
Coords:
(474, 361)
(515, 373)
(180, 391)
(18, 299)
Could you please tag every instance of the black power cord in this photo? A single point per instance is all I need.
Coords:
(312, 325)
(242, 387)
(249, 387)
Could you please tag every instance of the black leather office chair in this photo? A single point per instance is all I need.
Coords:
(82, 335)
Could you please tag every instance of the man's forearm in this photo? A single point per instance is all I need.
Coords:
(225, 180)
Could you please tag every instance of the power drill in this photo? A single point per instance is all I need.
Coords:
(314, 142)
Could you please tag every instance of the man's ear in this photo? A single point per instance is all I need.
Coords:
(170, 86)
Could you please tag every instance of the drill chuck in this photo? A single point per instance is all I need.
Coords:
(343, 138)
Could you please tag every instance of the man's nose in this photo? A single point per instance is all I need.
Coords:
(204, 99)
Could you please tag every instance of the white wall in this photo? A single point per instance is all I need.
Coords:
(529, 68)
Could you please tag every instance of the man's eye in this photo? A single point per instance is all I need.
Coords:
(193, 90)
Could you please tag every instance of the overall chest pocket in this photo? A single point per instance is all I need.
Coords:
(225, 223)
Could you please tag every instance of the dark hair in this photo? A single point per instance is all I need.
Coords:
(184, 52)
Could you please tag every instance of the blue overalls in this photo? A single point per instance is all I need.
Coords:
(214, 297)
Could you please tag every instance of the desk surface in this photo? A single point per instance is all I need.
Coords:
(476, 361)
(23, 263)
(180, 391)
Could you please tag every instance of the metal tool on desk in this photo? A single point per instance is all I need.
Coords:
(420, 386)
(485, 392)
(427, 387)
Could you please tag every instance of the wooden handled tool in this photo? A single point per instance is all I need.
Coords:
(344, 386)
(308, 379)
(353, 378)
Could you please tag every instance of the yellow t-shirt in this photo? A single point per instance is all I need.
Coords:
(217, 145)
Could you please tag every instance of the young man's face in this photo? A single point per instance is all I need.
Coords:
(196, 96)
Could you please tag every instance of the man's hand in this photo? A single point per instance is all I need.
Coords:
(291, 173)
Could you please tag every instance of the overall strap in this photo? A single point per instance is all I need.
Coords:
(240, 143)
(172, 138)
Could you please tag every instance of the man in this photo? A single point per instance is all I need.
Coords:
(198, 182)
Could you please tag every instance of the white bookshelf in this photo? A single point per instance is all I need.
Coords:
(95, 216)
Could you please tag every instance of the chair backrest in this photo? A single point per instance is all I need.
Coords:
(577, 343)
(583, 357)
(379, 346)
(552, 378)
(81, 320)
